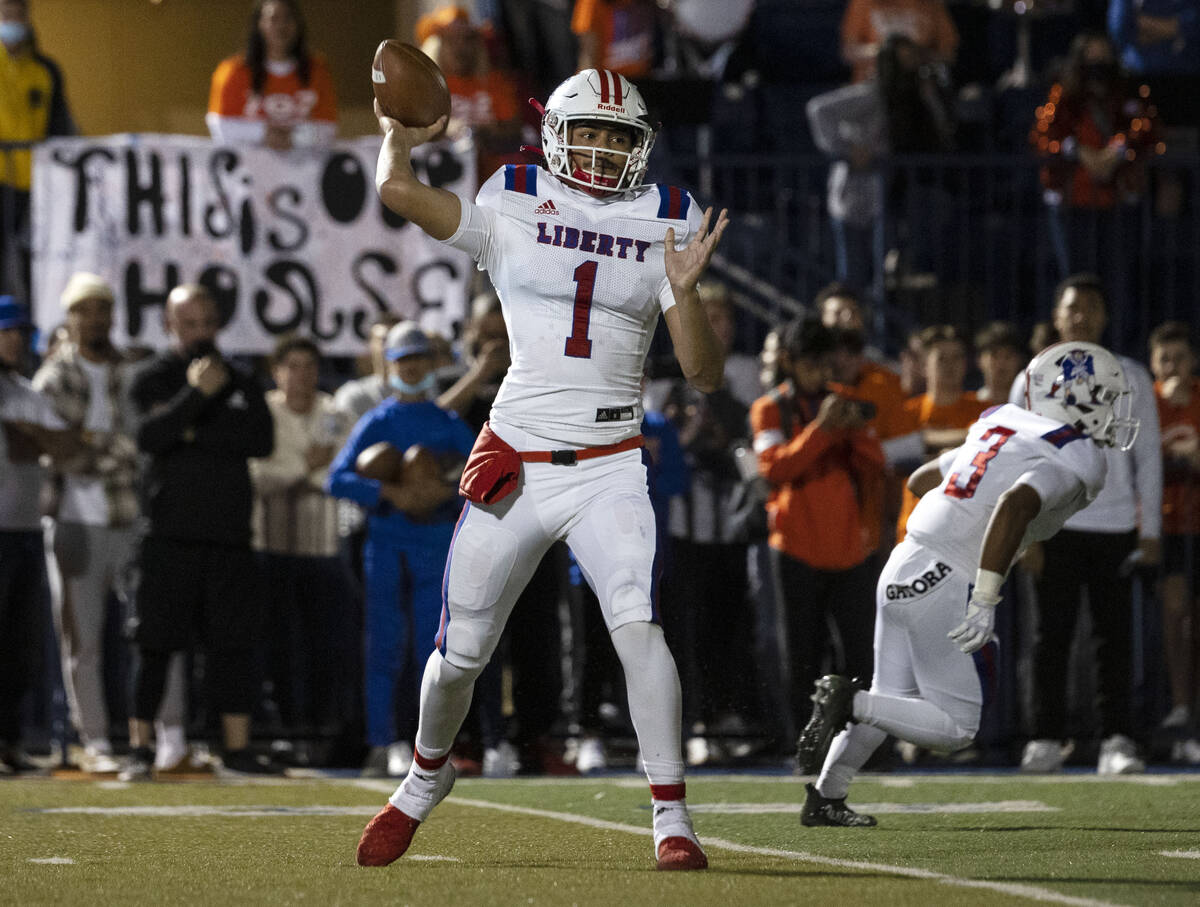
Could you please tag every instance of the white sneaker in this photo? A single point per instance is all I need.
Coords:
(97, 759)
(422, 790)
(1042, 756)
(170, 746)
(1118, 756)
(399, 758)
(590, 757)
(1177, 717)
(1187, 751)
(697, 751)
(501, 761)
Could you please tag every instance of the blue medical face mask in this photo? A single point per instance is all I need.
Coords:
(13, 33)
(424, 386)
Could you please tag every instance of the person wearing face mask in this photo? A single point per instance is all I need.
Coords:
(198, 421)
(409, 528)
(33, 106)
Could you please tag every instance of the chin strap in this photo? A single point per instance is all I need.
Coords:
(537, 105)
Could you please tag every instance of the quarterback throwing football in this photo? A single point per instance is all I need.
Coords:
(1018, 477)
(584, 258)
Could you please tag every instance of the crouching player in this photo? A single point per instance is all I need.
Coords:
(1018, 477)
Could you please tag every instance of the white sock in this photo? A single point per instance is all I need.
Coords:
(671, 820)
(848, 753)
(918, 721)
(655, 704)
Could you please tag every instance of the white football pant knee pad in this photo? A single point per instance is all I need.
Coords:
(628, 596)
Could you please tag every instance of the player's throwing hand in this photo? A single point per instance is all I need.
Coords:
(684, 266)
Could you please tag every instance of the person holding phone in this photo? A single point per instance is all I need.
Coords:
(825, 467)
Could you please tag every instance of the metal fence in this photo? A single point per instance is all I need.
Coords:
(961, 238)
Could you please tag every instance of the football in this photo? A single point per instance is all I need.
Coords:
(381, 461)
(408, 85)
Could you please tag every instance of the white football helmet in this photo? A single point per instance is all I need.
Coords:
(601, 96)
(1084, 386)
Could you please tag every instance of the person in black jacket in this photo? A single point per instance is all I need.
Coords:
(198, 421)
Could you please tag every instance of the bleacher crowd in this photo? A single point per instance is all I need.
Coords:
(220, 570)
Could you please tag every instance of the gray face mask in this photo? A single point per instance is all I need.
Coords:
(13, 34)
(424, 386)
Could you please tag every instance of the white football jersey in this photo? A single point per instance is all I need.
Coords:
(1006, 446)
(581, 283)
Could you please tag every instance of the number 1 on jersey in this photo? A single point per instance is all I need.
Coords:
(578, 344)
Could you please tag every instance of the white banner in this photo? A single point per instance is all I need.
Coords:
(293, 242)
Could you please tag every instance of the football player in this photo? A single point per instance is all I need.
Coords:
(1018, 477)
(584, 258)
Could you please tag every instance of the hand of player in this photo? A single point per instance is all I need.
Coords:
(207, 374)
(974, 632)
(401, 137)
(684, 266)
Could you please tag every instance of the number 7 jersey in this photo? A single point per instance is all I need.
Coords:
(581, 282)
(1008, 445)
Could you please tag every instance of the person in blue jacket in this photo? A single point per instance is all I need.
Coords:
(409, 528)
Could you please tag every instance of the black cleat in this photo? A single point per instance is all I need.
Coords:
(833, 706)
(820, 810)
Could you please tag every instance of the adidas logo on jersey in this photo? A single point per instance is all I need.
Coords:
(546, 207)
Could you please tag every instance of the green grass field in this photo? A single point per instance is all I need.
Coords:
(944, 838)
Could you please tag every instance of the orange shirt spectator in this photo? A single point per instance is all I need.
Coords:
(1181, 450)
(616, 35)
(866, 24)
(276, 93)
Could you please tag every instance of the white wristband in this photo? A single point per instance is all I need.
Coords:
(987, 586)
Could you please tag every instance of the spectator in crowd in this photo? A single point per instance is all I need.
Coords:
(824, 467)
(276, 92)
(867, 24)
(359, 396)
(707, 615)
(94, 538)
(540, 40)
(409, 526)
(295, 529)
(938, 419)
(1098, 551)
(484, 99)
(904, 107)
(1093, 134)
(1041, 335)
(1000, 355)
(33, 106)
(1158, 41)
(617, 35)
(30, 428)
(199, 420)
(1173, 364)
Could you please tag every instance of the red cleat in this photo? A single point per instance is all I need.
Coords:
(387, 837)
(678, 852)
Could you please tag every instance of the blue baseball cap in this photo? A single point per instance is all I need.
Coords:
(406, 339)
(12, 314)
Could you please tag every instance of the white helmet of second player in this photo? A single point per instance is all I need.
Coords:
(1084, 386)
(600, 96)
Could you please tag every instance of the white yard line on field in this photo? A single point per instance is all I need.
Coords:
(1025, 891)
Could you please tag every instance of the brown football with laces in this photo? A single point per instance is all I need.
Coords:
(408, 85)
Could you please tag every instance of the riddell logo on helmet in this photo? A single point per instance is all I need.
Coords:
(615, 108)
